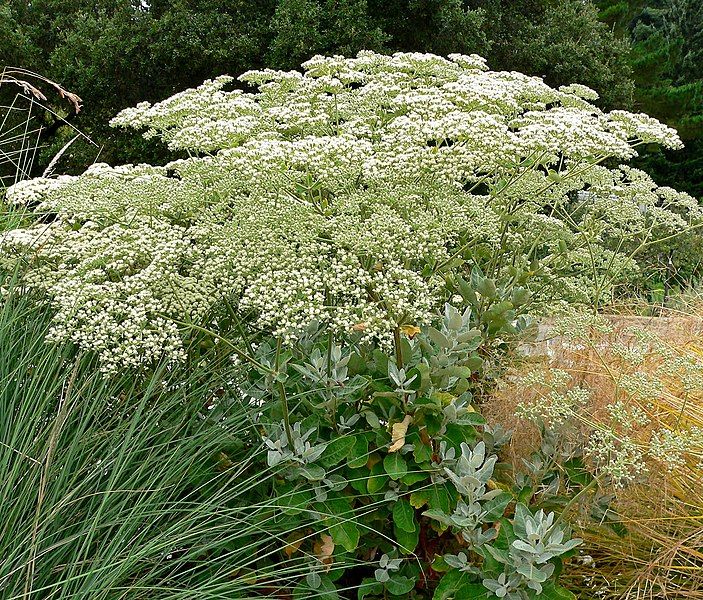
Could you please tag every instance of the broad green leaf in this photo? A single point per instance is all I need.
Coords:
(495, 507)
(399, 585)
(325, 591)
(522, 513)
(422, 452)
(438, 338)
(407, 540)
(413, 477)
(435, 497)
(358, 479)
(312, 472)
(377, 480)
(368, 587)
(552, 591)
(577, 472)
(486, 287)
(337, 450)
(404, 516)
(359, 454)
(457, 585)
(458, 434)
(345, 534)
(292, 503)
(395, 465)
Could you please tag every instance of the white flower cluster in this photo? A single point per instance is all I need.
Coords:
(334, 194)
(617, 457)
(674, 446)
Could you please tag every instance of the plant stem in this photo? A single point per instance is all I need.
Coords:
(398, 350)
(282, 394)
(593, 483)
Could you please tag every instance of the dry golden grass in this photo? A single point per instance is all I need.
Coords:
(660, 554)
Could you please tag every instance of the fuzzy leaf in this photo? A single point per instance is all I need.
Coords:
(399, 585)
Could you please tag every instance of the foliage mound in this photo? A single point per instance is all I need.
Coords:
(350, 194)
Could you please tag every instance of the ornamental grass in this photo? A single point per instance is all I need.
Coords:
(641, 425)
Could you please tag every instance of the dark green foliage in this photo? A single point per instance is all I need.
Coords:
(667, 64)
(303, 28)
(436, 26)
(666, 55)
(563, 41)
(117, 53)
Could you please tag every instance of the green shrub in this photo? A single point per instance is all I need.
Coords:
(399, 472)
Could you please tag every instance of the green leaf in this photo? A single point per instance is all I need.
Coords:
(458, 434)
(577, 472)
(399, 585)
(422, 453)
(433, 424)
(439, 564)
(486, 287)
(532, 572)
(438, 338)
(407, 540)
(413, 477)
(474, 362)
(520, 296)
(495, 507)
(312, 472)
(358, 479)
(359, 454)
(459, 371)
(337, 450)
(395, 465)
(326, 590)
(345, 534)
(404, 516)
(292, 503)
(377, 480)
(435, 497)
(552, 591)
(522, 514)
(425, 404)
(368, 587)
(506, 534)
(457, 585)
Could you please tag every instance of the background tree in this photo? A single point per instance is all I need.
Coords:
(563, 41)
(115, 53)
(667, 62)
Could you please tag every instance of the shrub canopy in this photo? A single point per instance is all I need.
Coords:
(347, 194)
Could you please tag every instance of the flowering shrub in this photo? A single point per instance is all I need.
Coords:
(360, 193)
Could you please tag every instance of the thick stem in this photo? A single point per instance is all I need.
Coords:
(331, 402)
(593, 483)
(282, 394)
(397, 347)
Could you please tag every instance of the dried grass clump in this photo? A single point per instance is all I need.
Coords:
(652, 546)
(24, 122)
